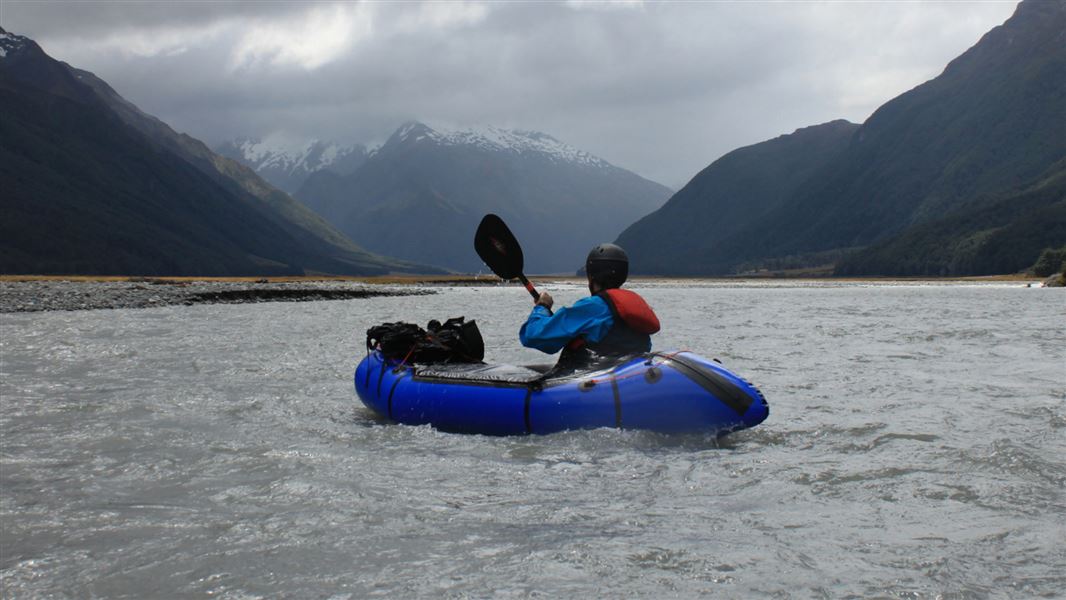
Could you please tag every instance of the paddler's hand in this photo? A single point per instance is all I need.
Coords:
(545, 300)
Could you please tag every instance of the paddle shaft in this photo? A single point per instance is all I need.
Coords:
(529, 287)
(532, 291)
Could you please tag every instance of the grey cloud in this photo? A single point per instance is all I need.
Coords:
(88, 19)
(663, 90)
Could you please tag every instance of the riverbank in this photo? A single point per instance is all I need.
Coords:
(466, 280)
(35, 293)
(76, 293)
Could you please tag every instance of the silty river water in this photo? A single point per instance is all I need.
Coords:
(916, 448)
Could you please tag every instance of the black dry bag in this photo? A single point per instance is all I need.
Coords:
(456, 340)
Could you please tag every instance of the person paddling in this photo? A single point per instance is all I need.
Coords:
(610, 322)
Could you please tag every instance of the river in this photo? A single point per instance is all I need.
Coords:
(916, 448)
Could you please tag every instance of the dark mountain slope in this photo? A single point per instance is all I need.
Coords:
(734, 192)
(326, 194)
(84, 194)
(242, 181)
(87, 192)
(1001, 234)
(990, 126)
(993, 121)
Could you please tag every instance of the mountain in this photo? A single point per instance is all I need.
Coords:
(1003, 233)
(94, 185)
(287, 166)
(421, 195)
(736, 191)
(986, 131)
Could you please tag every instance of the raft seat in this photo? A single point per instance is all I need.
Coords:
(478, 373)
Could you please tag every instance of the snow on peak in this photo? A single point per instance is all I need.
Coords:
(411, 127)
(290, 155)
(491, 138)
(11, 43)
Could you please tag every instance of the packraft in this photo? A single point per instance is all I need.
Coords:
(412, 376)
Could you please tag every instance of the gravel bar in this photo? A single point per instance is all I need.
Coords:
(36, 296)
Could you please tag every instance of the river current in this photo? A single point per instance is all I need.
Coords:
(916, 448)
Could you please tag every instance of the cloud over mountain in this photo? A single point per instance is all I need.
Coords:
(661, 89)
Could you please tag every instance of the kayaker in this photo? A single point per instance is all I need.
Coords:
(610, 322)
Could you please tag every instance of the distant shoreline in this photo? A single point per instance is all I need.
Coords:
(19, 295)
(42, 293)
(446, 280)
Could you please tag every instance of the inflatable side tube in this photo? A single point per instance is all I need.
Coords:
(735, 392)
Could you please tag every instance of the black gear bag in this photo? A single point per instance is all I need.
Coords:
(454, 341)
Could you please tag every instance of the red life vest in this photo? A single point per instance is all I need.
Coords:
(632, 309)
(634, 322)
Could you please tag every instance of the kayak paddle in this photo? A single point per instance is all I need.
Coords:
(500, 250)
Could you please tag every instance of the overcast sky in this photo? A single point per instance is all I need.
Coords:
(662, 89)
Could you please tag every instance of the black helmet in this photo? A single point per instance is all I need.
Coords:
(608, 265)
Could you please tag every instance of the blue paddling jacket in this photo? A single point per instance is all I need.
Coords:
(611, 322)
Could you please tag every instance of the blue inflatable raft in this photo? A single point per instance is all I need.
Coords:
(666, 392)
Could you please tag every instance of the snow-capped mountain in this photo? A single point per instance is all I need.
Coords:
(423, 192)
(287, 164)
(11, 43)
(494, 139)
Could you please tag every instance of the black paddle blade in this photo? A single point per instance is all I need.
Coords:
(497, 246)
